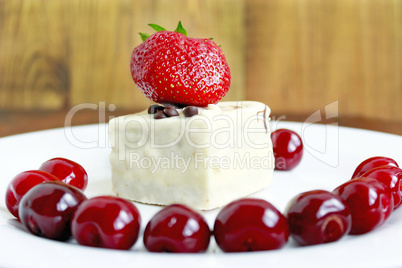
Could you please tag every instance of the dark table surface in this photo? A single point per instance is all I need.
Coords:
(21, 122)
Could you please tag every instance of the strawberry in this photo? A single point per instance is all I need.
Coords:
(171, 68)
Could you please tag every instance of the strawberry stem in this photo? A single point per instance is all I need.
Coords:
(144, 36)
(156, 27)
(180, 29)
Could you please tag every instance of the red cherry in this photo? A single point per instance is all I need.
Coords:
(67, 171)
(177, 228)
(250, 224)
(107, 222)
(21, 184)
(371, 163)
(47, 209)
(369, 201)
(317, 217)
(288, 149)
(391, 176)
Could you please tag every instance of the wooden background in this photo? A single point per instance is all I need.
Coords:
(296, 56)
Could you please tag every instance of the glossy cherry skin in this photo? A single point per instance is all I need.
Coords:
(177, 228)
(371, 163)
(67, 171)
(47, 209)
(287, 147)
(369, 201)
(392, 177)
(317, 217)
(21, 184)
(106, 222)
(250, 224)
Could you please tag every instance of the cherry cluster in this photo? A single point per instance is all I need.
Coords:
(50, 203)
(314, 217)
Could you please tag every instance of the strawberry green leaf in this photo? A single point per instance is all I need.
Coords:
(157, 27)
(180, 29)
(144, 36)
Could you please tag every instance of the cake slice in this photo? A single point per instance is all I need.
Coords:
(204, 161)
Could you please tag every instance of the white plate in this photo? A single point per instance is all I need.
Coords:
(331, 154)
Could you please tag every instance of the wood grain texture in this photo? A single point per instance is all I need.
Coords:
(57, 54)
(34, 71)
(307, 54)
(296, 56)
(15, 122)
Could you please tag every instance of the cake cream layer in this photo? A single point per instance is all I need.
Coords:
(204, 161)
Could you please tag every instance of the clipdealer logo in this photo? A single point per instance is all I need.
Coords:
(201, 161)
(320, 139)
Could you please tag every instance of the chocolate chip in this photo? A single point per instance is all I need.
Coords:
(170, 111)
(159, 115)
(154, 108)
(190, 111)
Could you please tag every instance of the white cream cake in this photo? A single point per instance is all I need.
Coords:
(204, 161)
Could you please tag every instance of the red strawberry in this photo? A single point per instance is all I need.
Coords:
(170, 67)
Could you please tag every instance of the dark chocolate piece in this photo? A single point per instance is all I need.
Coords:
(154, 108)
(170, 111)
(160, 115)
(190, 111)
